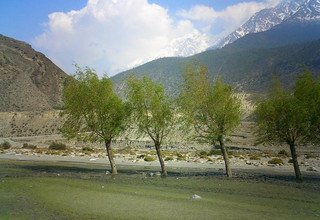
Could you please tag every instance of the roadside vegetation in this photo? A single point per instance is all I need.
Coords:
(93, 111)
(291, 117)
(211, 109)
(206, 111)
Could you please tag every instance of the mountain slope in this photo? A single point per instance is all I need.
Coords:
(263, 21)
(28, 80)
(280, 35)
(250, 70)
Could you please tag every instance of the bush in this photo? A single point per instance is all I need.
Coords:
(57, 146)
(283, 153)
(88, 149)
(181, 157)
(29, 146)
(255, 157)
(276, 161)
(168, 158)
(214, 152)
(5, 145)
(203, 153)
(149, 158)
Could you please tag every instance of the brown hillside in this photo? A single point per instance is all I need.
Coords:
(29, 81)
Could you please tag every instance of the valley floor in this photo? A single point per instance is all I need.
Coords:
(69, 190)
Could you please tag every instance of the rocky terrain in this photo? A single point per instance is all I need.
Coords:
(29, 81)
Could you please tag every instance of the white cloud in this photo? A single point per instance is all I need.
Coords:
(229, 18)
(116, 35)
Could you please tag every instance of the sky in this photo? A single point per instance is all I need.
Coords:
(111, 36)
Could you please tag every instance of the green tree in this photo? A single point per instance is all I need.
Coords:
(282, 119)
(93, 111)
(307, 92)
(211, 108)
(152, 112)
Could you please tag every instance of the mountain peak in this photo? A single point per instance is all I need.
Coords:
(270, 17)
(309, 11)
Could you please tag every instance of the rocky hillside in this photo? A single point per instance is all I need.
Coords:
(29, 81)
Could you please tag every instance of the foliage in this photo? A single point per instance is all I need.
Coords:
(152, 111)
(93, 111)
(169, 158)
(88, 149)
(307, 92)
(5, 145)
(29, 146)
(276, 161)
(212, 109)
(254, 157)
(281, 118)
(57, 146)
(283, 153)
(214, 152)
(149, 158)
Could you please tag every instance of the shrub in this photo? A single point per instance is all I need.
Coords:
(5, 145)
(283, 153)
(181, 157)
(88, 149)
(29, 146)
(214, 152)
(255, 157)
(276, 161)
(57, 146)
(168, 158)
(203, 153)
(149, 158)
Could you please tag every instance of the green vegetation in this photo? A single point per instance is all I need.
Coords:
(212, 109)
(255, 157)
(169, 158)
(88, 149)
(149, 158)
(276, 161)
(292, 118)
(5, 145)
(250, 68)
(152, 112)
(29, 146)
(307, 92)
(283, 153)
(93, 111)
(85, 193)
(57, 146)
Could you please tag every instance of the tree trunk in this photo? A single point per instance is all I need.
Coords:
(295, 161)
(163, 168)
(225, 157)
(110, 156)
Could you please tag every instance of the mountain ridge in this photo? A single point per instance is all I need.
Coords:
(29, 81)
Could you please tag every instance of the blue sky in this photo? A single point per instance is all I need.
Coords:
(114, 35)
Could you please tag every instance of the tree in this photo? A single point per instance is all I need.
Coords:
(93, 111)
(307, 92)
(152, 112)
(212, 109)
(283, 119)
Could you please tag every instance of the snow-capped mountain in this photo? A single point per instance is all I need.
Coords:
(263, 20)
(309, 11)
